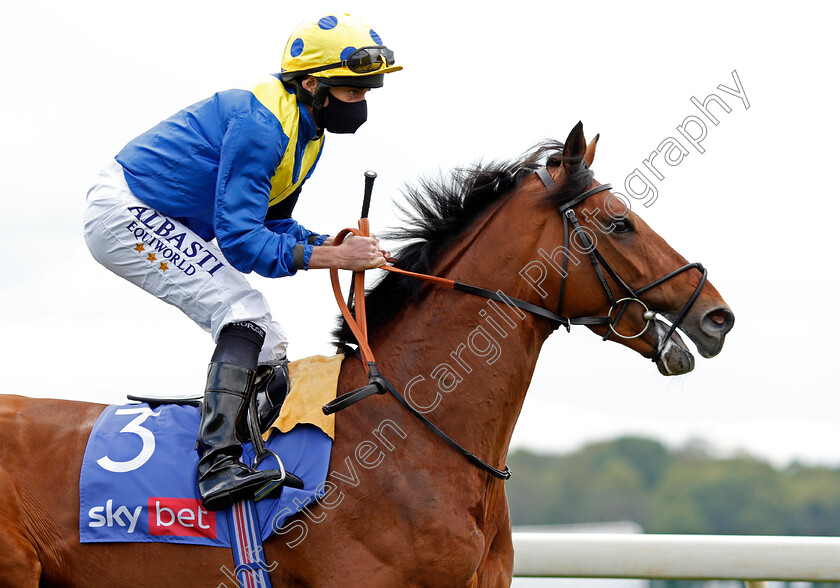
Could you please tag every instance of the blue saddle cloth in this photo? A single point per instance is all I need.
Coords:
(139, 482)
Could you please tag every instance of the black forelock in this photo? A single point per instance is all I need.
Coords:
(439, 210)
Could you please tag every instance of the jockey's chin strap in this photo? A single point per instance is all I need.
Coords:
(377, 382)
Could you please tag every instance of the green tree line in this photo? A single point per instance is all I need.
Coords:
(684, 490)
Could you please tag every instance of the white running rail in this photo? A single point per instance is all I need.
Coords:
(677, 557)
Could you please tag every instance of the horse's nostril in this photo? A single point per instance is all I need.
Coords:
(718, 316)
(718, 321)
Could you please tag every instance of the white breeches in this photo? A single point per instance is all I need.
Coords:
(170, 261)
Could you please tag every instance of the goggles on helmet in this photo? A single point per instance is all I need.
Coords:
(363, 60)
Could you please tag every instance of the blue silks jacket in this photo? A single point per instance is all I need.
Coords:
(217, 165)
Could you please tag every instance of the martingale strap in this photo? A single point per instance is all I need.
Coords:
(472, 458)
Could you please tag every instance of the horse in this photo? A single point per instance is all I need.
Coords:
(401, 507)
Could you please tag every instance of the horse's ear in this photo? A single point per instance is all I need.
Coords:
(590, 151)
(574, 149)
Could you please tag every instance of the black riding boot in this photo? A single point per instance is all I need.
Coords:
(222, 478)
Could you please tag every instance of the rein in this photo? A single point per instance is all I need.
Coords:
(379, 385)
(500, 296)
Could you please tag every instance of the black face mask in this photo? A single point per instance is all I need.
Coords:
(343, 117)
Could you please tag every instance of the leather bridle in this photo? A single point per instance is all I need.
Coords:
(378, 384)
(599, 264)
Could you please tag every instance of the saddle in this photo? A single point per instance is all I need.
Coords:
(271, 388)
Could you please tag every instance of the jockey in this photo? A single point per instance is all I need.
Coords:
(230, 168)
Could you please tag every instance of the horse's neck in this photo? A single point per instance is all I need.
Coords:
(470, 358)
(470, 374)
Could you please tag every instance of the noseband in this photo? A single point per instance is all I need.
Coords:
(599, 264)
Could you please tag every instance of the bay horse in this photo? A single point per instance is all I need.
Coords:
(401, 507)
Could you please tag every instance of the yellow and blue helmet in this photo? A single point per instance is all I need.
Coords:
(339, 50)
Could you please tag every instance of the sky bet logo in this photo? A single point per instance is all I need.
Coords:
(176, 517)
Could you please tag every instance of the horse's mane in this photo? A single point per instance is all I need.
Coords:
(440, 209)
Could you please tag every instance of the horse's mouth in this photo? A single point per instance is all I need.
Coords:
(675, 359)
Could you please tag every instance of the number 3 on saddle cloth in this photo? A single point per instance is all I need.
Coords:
(139, 474)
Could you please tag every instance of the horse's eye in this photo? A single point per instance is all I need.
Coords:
(622, 225)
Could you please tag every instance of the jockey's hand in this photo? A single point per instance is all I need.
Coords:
(385, 253)
(360, 253)
(355, 253)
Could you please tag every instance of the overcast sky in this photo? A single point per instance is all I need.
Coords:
(482, 80)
